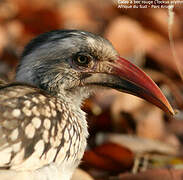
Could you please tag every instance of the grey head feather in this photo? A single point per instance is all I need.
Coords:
(44, 62)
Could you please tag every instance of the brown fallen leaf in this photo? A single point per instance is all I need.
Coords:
(150, 123)
(157, 19)
(93, 160)
(43, 20)
(116, 152)
(76, 16)
(3, 39)
(163, 56)
(134, 37)
(38, 17)
(110, 156)
(140, 145)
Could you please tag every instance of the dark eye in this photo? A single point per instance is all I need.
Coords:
(82, 60)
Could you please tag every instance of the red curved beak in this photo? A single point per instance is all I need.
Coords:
(140, 84)
(124, 76)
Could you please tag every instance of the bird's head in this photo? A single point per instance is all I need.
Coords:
(73, 63)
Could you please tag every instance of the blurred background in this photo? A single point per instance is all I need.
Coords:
(127, 134)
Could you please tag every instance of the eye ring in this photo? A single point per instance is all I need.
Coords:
(82, 60)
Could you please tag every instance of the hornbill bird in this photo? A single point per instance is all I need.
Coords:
(42, 127)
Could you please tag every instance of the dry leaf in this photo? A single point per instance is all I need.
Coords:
(128, 36)
(141, 145)
(110, 156)
(76, 16)
(163, 56)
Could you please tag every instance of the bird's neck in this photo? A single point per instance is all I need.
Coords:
(76, 101)
(75, 96)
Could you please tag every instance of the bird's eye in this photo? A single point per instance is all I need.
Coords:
(82, 60)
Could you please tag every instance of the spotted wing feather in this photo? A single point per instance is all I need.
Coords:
(30, 134)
